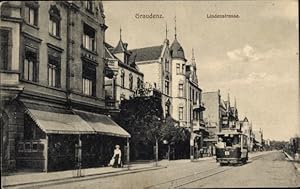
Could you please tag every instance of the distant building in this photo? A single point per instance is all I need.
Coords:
(246, 128)
(215, 110)
(230, 120)
(258, 140)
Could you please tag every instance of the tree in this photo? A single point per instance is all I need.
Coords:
(142, 118)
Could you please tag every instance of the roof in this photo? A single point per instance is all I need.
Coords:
(120, 48)
(177, 50)
(107, 45)
(245, 119)
(147, 53)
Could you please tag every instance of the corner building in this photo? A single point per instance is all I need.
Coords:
(53, 113)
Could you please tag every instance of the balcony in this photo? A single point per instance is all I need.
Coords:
(9, 85)
(198, 106)
(198, 125)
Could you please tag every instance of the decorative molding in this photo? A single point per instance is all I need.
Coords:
(31, 37)
(55, 47)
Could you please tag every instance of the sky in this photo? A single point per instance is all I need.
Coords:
(254, 57)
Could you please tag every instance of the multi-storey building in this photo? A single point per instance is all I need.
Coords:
(167, 70)
(215, 110)
(52, 86)
(246, 128)
(258, 139)
(230, 120)
(155, 63)
(125, 77)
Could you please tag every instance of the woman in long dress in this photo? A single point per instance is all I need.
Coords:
(117, 157)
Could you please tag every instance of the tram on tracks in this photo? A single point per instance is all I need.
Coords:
(231, 148)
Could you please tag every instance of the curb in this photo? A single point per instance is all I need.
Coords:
(82, 178)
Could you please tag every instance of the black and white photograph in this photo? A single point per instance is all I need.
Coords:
(149, 94)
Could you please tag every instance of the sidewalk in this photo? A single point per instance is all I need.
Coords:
(27, 178)
(296, 163)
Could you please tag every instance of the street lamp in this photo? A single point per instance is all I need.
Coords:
(166, 142)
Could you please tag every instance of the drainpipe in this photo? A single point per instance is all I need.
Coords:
(68, 52)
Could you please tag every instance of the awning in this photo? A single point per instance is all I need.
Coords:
(59, 123)
(103, 124)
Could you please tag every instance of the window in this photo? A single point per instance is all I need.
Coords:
(167, 65)
(182, 71)
(180, 90)
(180, 113)
(177, 68)
(138, 83)
(88, 79)
(89, 38)
(30, 70)
(89, 6)
(130, 81)
(122, 78)
(167, 110)
(5, 49)
(53, 71)
(54, 22)
(167, 87)
(31, 13)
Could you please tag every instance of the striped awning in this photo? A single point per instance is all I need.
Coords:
(59, 123)
(102, 124)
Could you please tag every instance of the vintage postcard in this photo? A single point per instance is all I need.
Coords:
(149, 94)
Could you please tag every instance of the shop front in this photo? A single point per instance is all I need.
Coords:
(61, 139)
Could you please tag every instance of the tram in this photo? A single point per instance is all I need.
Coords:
(231, 148)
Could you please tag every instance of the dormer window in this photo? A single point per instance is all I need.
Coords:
(89, 38)
(54, 22)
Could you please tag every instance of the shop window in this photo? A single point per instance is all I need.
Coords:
(54, 22)
(89, 79)
(53, 71)
(31, 13)
(30, 67)
(89, 38)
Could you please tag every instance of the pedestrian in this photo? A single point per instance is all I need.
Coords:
(117, 157)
